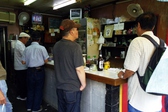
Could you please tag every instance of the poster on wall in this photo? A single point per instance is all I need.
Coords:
(108, 31)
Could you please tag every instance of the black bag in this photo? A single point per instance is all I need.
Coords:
(160, 49)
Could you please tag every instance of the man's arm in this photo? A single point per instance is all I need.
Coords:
(82, 77)
(126, 74)
(45, 61)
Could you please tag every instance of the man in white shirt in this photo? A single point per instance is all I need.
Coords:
(139, 53)
(21, 70)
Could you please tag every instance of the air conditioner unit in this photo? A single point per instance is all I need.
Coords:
(12, 17)
(7, 17)
(4, 17)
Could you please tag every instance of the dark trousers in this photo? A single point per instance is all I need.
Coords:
(21, 84)
(35, 84)
(68, 101)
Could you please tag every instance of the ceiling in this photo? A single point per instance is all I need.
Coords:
(46, 6)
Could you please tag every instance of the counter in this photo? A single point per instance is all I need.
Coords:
(107, 76)
(100, 95)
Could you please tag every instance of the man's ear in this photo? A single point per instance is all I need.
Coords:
(71, 32)
(153, 28)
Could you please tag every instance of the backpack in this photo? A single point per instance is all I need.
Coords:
(160, 49)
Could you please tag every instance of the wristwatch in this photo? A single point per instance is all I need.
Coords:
(122, 76)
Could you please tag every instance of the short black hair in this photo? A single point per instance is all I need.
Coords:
(147, 20)
(36, 35)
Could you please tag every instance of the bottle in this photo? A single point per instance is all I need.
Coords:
(100, 62)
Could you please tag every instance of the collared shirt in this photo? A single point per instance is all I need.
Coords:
(18, 53)
(138, 56)
(34, 55)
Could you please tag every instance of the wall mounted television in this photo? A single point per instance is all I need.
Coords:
(75, 13)
(37, 19)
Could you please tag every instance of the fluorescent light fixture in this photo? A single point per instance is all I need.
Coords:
(162, 0)
(28, 2)
(63, 3)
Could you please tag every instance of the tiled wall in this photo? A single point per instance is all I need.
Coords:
(50, 95)
(93, 97)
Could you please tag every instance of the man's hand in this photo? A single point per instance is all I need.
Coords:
(82, 87)
(2, 98)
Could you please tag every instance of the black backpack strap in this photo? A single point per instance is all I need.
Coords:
(156, 45)
(162, 43)
(151, 39)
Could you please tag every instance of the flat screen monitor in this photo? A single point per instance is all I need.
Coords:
(75, 13)
(37, 19)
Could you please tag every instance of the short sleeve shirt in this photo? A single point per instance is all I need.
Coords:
(18, 53)
(67, 57)
(138, 56)
(34, 55)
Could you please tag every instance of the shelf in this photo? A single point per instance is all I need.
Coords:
(115, 46)
(82, 31)
(125, 34)
(122, 38)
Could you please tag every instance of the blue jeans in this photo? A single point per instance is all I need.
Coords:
(8, 106)
(68, 101)
(35, 84)
(132, 109)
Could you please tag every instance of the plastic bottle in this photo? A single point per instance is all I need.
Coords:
(100, 62)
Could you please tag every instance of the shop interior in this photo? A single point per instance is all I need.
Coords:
(41, 15)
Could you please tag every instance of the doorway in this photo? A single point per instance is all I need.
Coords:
(3, 46)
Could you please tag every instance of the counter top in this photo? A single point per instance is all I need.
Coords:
(106, 76)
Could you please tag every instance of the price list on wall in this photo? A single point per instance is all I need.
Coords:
(54, 23)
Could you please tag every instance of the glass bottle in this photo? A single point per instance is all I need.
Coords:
(100, 62)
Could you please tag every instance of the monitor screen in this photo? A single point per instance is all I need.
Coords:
(36, 19)
(75, 13)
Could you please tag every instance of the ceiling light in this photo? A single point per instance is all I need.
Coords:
(63, 3)
(162, 0)
(27, 2)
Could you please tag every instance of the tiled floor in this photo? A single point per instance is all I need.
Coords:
(20, 106)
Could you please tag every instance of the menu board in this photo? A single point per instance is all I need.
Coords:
(54, 23)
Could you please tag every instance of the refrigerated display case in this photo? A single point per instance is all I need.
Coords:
(88, 36)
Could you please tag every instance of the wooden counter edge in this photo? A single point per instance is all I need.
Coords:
(113, 82)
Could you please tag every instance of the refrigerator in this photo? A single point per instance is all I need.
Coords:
(89, 33)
